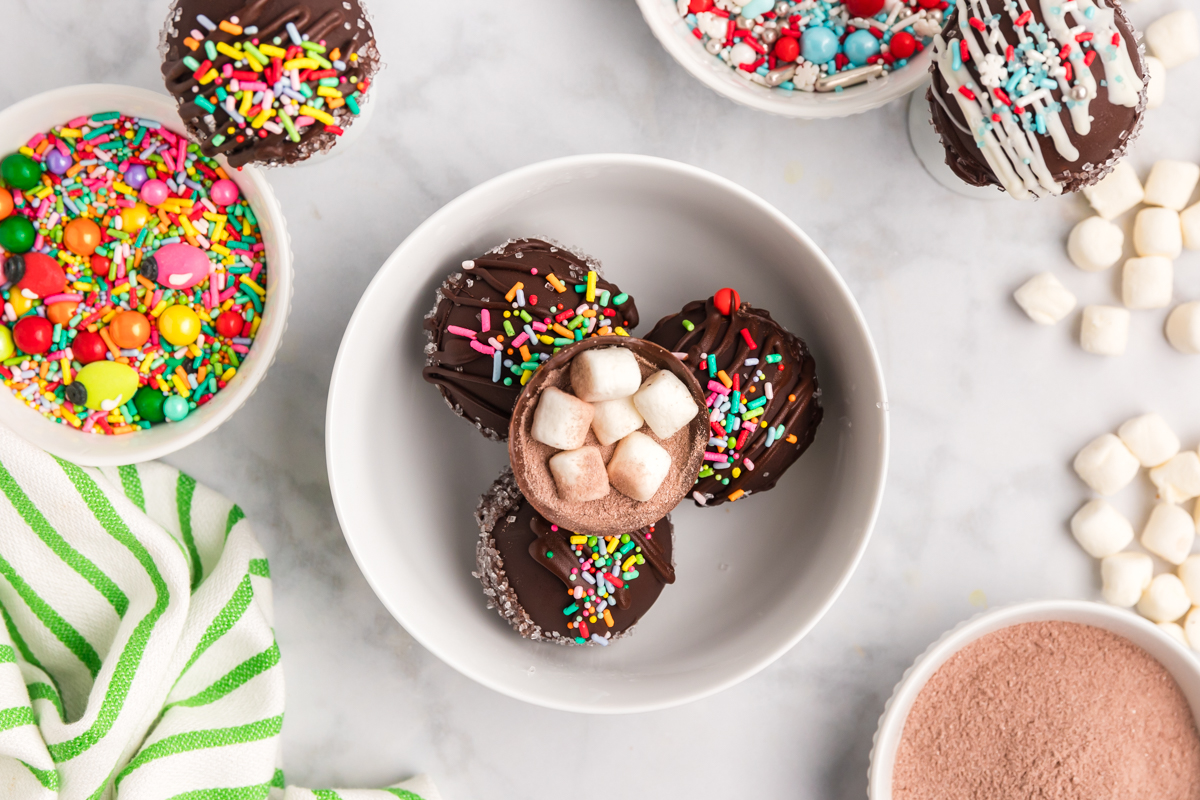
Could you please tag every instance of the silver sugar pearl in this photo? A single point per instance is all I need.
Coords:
(745, 23)
(783, 9)
(781, 74)
(769, 35)
(713, 46)
(1079, 92)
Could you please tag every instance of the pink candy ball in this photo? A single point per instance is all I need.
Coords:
(224, 192)
(154, 192)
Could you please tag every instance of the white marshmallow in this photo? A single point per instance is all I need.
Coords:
(1147, 282)
(1105, 330)
(1045, 299)
(1115, 193)
(605, 373)
(1158, 232)
(1171, 184)
(1179, 478)
(638, 466)
(665, 403)
(1191, 629)
(1156, 80)
(1183, 328)
(1164, 599)
(579, 474)
(1106, 465)
(1095, 244)
(1174, 38)
(1175, 631)
(1189, 573)
(1150, 439)
(1124, 576)
(561, 420)
(1189, 221)
(1169, 533)
(616, 419)
(1100, 529)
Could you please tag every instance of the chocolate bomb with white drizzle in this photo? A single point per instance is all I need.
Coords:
(759, 425)
(1038, 97)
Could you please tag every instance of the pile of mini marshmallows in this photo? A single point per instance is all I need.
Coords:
(612, 400)
(1109, 464)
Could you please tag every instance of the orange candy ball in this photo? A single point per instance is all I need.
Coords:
(129, 330)
(61, 313)
(82, 236)
(6, 204)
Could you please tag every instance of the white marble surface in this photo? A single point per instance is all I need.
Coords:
(987, 409)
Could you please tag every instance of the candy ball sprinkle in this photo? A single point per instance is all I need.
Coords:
(89, 339)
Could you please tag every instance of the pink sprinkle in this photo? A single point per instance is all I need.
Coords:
(458, 331)
(240, 348)
(712, 398)
(483, 348)
(35, 141)
(715, 457)
(225, 295)
(717, 387)
(302, 121)
(520, 340)
(749, 464)
(77, 122)
(539, 327)
(38, 242)
(485, 319)
(63, 298)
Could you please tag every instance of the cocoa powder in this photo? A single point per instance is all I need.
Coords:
(1053, 711)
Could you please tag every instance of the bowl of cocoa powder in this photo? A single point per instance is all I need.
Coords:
(1061, 700)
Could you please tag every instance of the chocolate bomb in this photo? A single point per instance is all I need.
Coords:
(461, 366)
(525, 568)
(729, 332)
(341, 24)
(1076, 118)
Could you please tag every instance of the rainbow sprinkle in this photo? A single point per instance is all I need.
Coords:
(606, 563)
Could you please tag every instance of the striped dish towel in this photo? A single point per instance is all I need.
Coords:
(137, 655)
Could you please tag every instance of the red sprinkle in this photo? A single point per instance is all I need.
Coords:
(977, 24)
(749, 342)
(967, 93)
(1089, 58)
(1024, 18)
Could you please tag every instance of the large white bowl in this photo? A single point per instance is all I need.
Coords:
(1182, 665)
(41, 112)
(673, 33)
(754, 576)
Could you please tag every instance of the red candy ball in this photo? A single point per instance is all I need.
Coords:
(33, 335)
(698, 6)
(903, 45)
(787, 48)
(100, 265)
(864, 8)
(88, 347)
(229, 324)
(727, 300)
(36, 272)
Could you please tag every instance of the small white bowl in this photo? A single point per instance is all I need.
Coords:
(673, 33)
(1181, 663)
(41, 112)
(753, 576)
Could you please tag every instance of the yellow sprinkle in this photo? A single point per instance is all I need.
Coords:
(124, 188)
(193, 350)
(182, 386)
(209, 77)
(578, 540)
(70, 133)
(525, 376)
(222, 249)
(227, 376)
(262, 117)
(590, 292)
(300, 63)
(232, 52)
(546, 339)
(629, 562)
(161, 307)
(254, 326)
(261, 292)
(66, 370)
(621, 331)
(328, 91)
(272, 50)
(318, 115)
(247, 100)
(26, 151)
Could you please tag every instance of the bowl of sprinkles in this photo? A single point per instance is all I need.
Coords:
(146, 285)
(811, 59)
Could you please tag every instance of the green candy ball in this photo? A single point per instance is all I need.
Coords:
(21, 172)
(149, 404)
(17, 234)
(175, 408)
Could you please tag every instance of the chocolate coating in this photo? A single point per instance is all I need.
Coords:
(720, 335)
(342, 24)
(463, 374)
(530, 590)
(1113, 126)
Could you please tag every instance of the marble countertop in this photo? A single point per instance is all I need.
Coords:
(987, 409)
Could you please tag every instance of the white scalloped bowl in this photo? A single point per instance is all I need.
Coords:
(673, 33)
(41, 112)
(1182, 665)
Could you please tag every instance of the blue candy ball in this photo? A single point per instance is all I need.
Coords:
(819, 45)
(757, 7)
(56, 162)
(176, 408)
(859, 46)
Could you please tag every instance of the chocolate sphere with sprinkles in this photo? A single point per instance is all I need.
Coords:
(268, 81)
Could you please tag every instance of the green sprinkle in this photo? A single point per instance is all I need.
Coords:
(688, 325)
(508, 328)
(620, 299)
(549, 554)
(774, 358)
(569, 610)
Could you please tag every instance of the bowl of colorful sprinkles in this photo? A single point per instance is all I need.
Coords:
(146, 286)
(812, 59)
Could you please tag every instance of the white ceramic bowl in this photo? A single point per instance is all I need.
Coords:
(672, 31)
(1177, 659)
(754, 576)
(22, 120)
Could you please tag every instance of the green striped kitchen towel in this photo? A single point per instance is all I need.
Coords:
(137, 655)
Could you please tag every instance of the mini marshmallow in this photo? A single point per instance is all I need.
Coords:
(1164, 599)
(638, 466)
(1158, 232)
(1189, 221)
(1156, 82)
(1150, 439)
(1045, 299)
(1106, 465)
(605, 373)
(1191, 629)
(1179, 478)
(1147, 282)
(1169, 533)
(1175, 631)
(1183, 328)
(1175, 38)
(1115, 193)
(1095, 244)
(1171, 184)
(1189, 573)
(616, 419)
(1105, 330)
(1124, 576)
(665, 403)
(579, 474)
(1100, 529)
(561, 420)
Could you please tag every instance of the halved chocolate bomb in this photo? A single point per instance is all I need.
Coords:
(533, 278)
(782, 409)
(526, 568)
